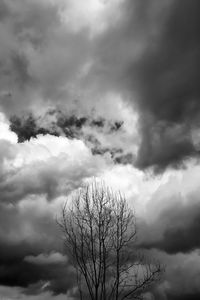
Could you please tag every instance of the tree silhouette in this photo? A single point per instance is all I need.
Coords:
(100, 238)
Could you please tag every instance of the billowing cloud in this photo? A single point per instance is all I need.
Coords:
(150, 58)
(102, 89)
(173, 196)
(112, 134)
(29, 210)
(144, 54)
(174, 228)
(32, 195)
(37, 167)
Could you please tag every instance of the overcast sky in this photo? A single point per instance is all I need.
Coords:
(106, 89)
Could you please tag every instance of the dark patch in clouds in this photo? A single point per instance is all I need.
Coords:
(98, 150)
(26, 128)
(98, 123)
(175, 231)
(23, 274)
(15, 270)
(71, 126)
(181, 238)
(165, 144)
(116, 126)
(192, 296)
(125, 159)
(166, 80)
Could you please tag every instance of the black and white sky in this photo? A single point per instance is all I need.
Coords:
(106, 89)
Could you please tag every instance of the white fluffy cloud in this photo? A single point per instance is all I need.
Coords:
(36, 176)
(44, 165)
(92, 14)
(54, 165)
(5, 133)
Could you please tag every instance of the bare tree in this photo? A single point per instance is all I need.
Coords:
(100, 234)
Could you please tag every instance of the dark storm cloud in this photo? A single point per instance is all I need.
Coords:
(16, 267)
(189, 296)
(166, 80)
(181, 238)
(152, 57)
(164, 144)
(24, 274)
(26, 128)
(170, 65)
(180, 280)
(149, 56)
(178, 228)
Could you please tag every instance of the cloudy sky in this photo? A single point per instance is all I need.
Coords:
(106, 89)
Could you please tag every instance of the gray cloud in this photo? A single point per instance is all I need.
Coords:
(167, 80)
(45, 259)
(45, 173)
(180, 278)
(174, 229)
(151, 58)
(146, 60)
(86, 128)
(16, 268)
(148, 56)
(40, 57)
(179, 233)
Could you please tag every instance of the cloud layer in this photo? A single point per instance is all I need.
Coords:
(106, 89)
